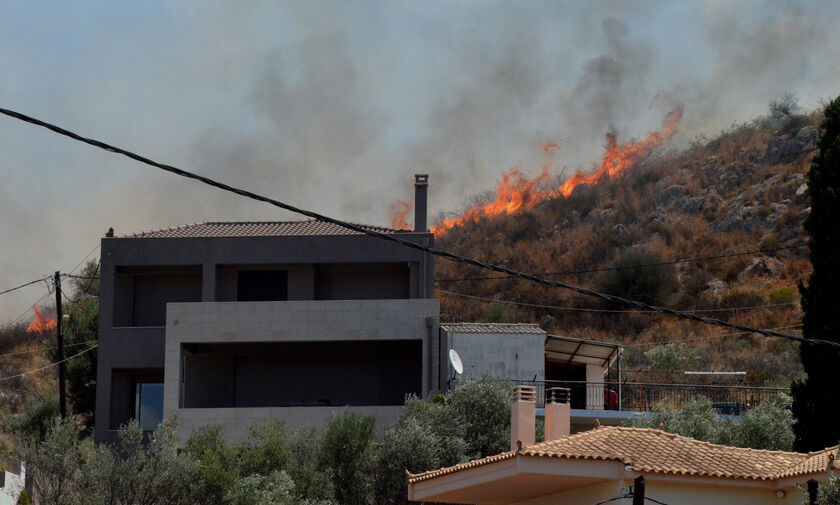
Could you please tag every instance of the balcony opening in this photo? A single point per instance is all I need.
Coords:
(289, 374)
(141, 293)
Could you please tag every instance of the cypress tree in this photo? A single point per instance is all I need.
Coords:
(816, 399)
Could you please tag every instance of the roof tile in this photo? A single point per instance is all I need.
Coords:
(312, 227)
(506, 328)
(656, 451)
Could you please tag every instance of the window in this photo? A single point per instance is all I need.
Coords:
(262, 285)
(148, 404)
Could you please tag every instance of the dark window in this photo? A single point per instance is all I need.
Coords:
(141, 293)
(262, 285)
(148, 404)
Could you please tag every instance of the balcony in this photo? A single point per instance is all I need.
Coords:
(644, 396)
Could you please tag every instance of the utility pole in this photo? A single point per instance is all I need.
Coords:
(62, 396)
(639, 490)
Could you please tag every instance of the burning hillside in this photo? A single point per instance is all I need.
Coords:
(517, 193)
(701, 215)
(41, 322)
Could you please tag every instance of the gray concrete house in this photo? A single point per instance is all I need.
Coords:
(234, 323)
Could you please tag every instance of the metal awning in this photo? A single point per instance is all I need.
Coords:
(576, 351)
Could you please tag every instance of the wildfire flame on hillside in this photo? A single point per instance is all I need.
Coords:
(517, 193)
(41, 322)
(400, 210)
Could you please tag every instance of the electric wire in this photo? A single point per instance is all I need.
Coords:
(85, 258)
(701, 339)
(28, 372)
(582, 309)
(35, 351)
(396, 238)
(645, 265)
(19, 317)
(36, 281)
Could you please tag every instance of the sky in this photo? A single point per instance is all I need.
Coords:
(333, 106)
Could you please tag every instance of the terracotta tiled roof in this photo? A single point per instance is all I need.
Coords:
(515, 328)
(655, 451)
(310, 227)
(816, 462)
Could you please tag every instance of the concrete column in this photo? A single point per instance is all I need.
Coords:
(594, 387)
(523, 417)
(208, 282)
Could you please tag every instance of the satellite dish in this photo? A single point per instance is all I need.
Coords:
(456, 361)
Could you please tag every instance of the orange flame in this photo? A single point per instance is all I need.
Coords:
(398, 215)
(516, 193)
(400, 210)
(41, 322)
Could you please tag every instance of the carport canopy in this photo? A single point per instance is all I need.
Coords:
(576, 351)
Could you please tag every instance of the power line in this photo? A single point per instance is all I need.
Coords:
(36, 281)
(398, 239)
(701, 339)
(22, 374)
(645, 265)
(34, 351)
(85, 258)
(580, 309)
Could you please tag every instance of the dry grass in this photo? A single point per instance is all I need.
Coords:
(574, 234)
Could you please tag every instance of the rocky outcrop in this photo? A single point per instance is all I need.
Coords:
(763, 266)
(784, 150)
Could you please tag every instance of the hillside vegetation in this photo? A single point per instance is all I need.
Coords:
(742, 191)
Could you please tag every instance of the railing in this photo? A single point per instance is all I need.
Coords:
(642, 396)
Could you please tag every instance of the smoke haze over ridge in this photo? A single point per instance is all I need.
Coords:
(333, 106)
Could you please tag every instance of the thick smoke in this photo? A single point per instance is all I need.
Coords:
(333, 106)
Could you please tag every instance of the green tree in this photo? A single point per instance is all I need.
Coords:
(346, 451)
(768, 426)
(815, 404)
(53, 459)
(266, 450)
(829, 491)
(672, 358)
(34, 419)
(631, 279)
(482, 408)
(312, 480)
(217, 465)
(408, 445)
(696, 419)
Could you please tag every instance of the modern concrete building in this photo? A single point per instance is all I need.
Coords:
(234, 323)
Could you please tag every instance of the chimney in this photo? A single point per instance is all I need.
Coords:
(523, 412)
(557, 413)
(421, 186)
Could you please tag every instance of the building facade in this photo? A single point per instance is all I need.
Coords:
(235, 323)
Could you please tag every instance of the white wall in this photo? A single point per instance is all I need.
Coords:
(508, 356)
(12, 486)
(673, 494)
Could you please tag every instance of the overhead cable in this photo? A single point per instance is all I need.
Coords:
(580, 309)
(28, 372)
(36, 281)
(396, 237)
(628, 267)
